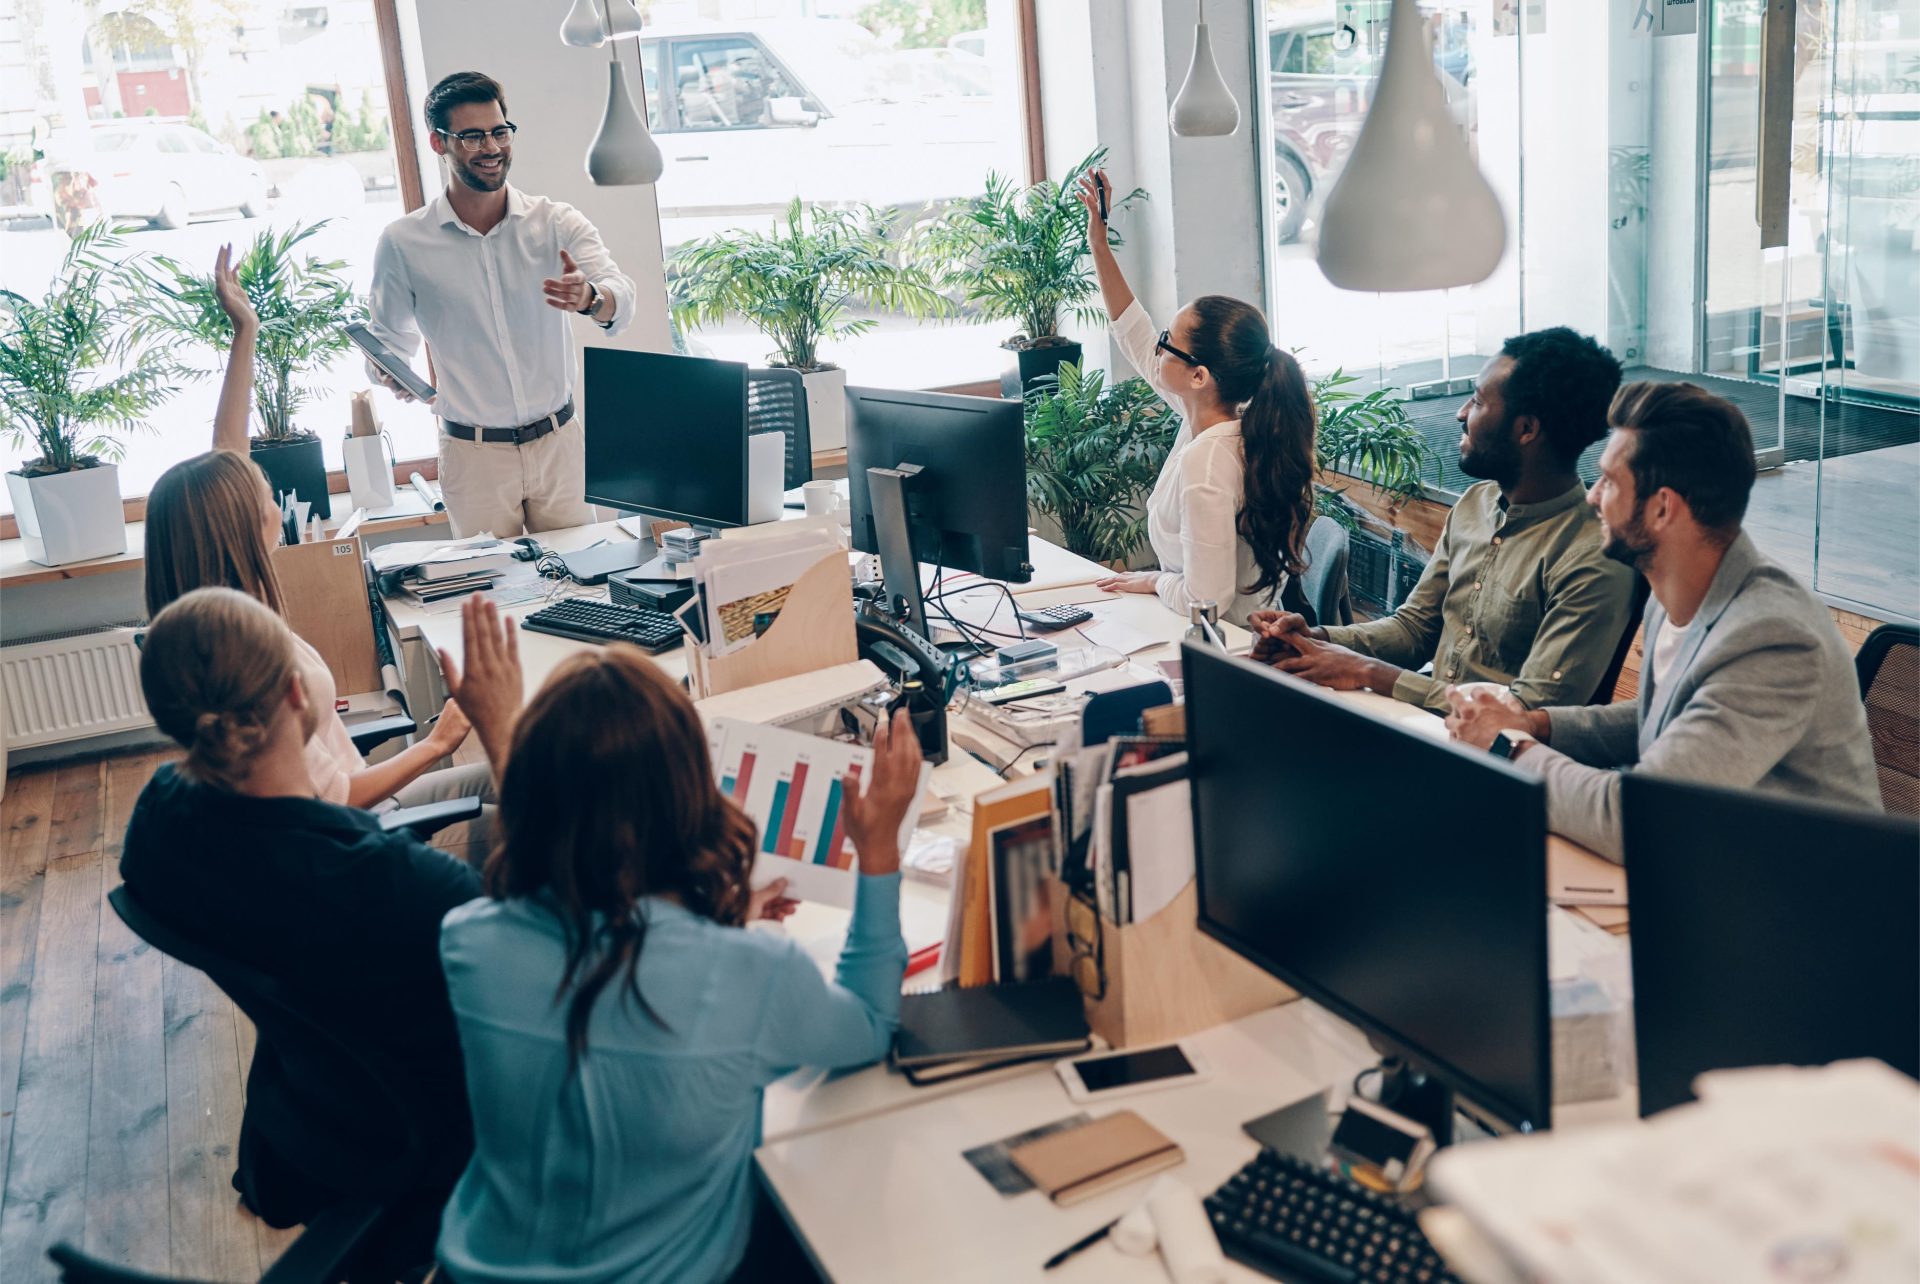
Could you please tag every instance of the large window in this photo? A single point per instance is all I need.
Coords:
(902, 106)
(1627, 158)
(192, 123)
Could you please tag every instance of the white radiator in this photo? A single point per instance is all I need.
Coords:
(69, 686)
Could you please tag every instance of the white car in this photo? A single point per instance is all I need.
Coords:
(163, 171)
(751, 115)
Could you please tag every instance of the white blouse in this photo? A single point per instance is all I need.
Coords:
(1193, 512)
(331, 757)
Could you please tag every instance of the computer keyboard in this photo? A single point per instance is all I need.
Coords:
(588, 620)
(1049, 618)
(1287, 1218)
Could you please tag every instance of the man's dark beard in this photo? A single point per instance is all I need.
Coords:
(1629, 545)
(465, 173)
(1496, 459)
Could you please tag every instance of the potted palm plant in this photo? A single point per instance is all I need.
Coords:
(794, 285)
(1020, 254)
(1093, 453)
(304, 305)
(1368, 436)
(73, 379)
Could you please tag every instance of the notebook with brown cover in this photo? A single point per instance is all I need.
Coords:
(1085, 1161)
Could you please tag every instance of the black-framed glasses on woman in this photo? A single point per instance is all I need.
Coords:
(1170, 350)
(470, 139)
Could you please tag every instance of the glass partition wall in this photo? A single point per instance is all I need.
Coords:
(1625, 139)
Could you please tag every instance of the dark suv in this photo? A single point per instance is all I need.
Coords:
(1320, 87)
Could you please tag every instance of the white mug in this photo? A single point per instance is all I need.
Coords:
(820, 497)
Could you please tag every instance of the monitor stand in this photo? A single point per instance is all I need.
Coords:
(1409, 1091)
(887, 491)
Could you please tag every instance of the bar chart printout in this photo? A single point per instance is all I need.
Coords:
(793, 786)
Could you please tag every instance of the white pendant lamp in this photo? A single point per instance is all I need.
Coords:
(1205, 106)
(623, 152)
(582, 27)
(1411, 210)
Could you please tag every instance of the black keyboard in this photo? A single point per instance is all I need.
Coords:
(1287, 1218)
(589, 620)
(1049, 618)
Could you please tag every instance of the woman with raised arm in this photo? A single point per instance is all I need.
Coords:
(212, 520)
(1229, 515)
(620, 1025)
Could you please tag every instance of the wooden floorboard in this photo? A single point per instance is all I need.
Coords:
(46, 1181)
(210, 1237)
(26, 812)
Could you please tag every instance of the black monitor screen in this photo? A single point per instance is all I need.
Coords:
(1390, 876)
(667, 435)
(1767, 932)
(970, 500)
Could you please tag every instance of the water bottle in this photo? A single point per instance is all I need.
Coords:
(1203, 623)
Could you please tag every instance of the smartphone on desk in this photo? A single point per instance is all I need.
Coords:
(1121, 1074)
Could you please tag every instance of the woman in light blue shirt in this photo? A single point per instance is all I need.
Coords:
(619, 1025)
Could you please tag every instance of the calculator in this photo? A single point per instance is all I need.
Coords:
(1049, 618)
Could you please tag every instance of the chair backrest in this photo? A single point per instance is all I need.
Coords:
(1889, 667)
(777, 402)
(343, 1117)
(1636, 611)
(1324, 582)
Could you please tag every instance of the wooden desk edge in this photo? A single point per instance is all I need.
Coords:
(34, 573)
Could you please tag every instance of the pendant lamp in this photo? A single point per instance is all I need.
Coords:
(1411, 210)
(582, 27)
(1205, 105)
(623, 152)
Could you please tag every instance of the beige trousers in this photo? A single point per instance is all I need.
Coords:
(513, 490)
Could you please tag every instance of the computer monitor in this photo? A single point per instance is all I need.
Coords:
(1393, 877)
(1767, 932)
(968, 503)
(667, 436)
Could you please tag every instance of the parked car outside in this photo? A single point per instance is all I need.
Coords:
(750, 116)
(1321, 83)
(162, 171)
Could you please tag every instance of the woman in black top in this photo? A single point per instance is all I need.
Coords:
(231, 848)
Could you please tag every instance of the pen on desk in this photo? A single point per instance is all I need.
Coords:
(1084, 1242)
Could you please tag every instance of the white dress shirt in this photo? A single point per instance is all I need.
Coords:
(502, 356)
(1193, 513)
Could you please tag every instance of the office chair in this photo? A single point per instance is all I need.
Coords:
(1324, 582)
(1889, 667)
(1636, 611)
(777, 402)
(353, 1129)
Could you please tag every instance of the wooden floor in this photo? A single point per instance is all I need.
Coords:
(122, 1074)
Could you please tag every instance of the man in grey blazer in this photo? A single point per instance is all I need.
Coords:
(1745, 680)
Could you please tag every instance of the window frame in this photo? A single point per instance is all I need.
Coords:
(413, 191)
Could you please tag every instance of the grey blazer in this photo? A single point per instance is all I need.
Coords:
(1762, 695)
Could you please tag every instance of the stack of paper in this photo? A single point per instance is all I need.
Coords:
(741, 582)
(428, 570)
(1126, 824)
(1776, 1173)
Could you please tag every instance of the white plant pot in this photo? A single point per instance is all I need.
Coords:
(70, 517)
(826, 408)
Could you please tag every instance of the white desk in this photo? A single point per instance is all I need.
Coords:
(889, 1197)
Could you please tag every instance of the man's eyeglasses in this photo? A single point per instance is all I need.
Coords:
(1170, 350)
(470, 139)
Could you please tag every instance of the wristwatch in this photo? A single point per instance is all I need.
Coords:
(593, 299)
(1506, 744)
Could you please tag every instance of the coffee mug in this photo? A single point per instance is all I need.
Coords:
(820, 498)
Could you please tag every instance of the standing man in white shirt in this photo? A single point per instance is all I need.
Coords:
(489, 275)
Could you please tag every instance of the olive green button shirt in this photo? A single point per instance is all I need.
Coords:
(1519, 594)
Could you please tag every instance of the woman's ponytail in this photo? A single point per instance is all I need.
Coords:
(1231, 339)
(214, 668)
